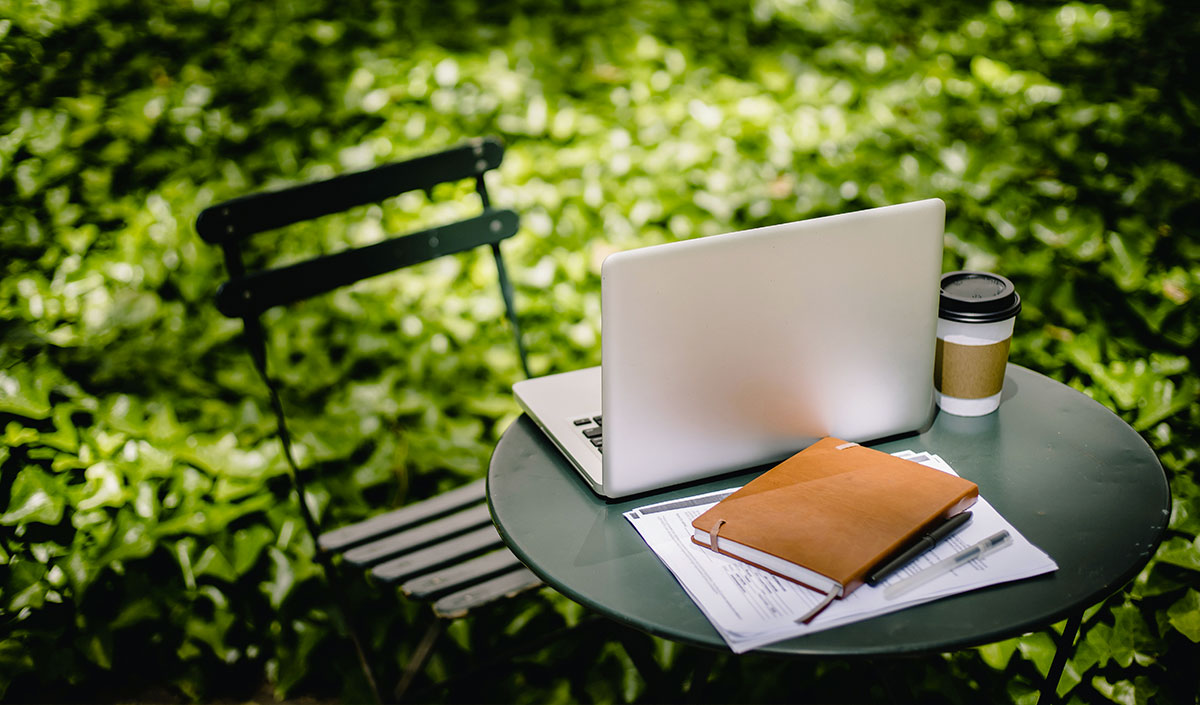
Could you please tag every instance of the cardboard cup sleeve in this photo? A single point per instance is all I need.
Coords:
(970, 371)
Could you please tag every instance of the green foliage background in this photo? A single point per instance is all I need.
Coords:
(150, 547)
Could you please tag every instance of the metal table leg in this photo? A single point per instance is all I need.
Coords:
(1063, 646)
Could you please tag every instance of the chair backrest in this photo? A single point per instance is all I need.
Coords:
(248, 294)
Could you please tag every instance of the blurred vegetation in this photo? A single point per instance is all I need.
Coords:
(149, 546)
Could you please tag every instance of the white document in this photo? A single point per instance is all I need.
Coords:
(751, 607)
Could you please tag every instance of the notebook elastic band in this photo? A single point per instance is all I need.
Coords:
(829, 597)
(844, 446)
(712, 537)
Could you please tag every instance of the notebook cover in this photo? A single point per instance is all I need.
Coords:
(838, 512)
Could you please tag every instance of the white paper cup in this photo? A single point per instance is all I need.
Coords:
(976, 314)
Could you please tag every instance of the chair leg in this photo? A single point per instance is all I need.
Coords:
(253, 331)
(1062, 649)
(419, 657)
(506, 292)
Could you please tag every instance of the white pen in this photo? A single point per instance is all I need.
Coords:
(992, 543)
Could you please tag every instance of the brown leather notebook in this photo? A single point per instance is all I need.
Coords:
(829, 514)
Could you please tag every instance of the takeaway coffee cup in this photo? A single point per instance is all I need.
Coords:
(975, 325)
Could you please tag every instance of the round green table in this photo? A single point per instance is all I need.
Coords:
(1072, 477)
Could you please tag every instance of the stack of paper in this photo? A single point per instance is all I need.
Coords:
(751, 607)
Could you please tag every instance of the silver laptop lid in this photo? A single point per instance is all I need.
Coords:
(731, 351)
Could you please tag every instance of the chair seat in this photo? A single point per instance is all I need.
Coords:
(443, 549)
(406, 517)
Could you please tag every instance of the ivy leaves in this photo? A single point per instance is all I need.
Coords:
(144, 508)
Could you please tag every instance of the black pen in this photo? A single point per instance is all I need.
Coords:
(922, 545)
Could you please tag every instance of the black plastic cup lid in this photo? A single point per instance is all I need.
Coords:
(977, 297)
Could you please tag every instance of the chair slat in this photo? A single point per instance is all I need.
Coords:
(456, 577)
(239, 218)
(403, 518)
(419, 537)
(257, 292)
(458, 604)
(400, 569)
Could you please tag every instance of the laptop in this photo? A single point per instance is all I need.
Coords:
(731, 351)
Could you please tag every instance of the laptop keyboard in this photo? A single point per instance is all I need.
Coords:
(592, 428)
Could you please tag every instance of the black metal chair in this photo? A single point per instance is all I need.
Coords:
(443, 549)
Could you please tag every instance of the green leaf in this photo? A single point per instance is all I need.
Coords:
(1038, 648)
(225, 457)
(140, 609)
(79, 570)
(1093, 649)
(221, 515)
(25, 390)
(1162, 399)
(1118, 379)
(1021, 693)
(36, 497)
(17, 435)
(183, 556)
(1132, 639)
(1181, 552)
(1184, 615)
(1128, 265)
(571, 611)
(1185, 504)
(98, 648)
(1139, 691)
(104, 488)
(213, 562)
(282, 579)
(33, 596)
(131, 538)
(1153, 581)
(65, 436)
(1072, 676)
(248, 545)
(211, 631)
(997, 655)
